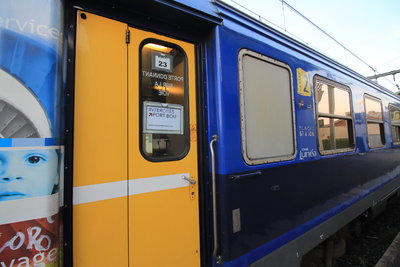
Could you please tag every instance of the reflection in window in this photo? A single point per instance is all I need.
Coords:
(373, 109)
(375, 128)
(335, 121)
(395, 123)
(163, 101)
(375, 134)
(334, 133)
(395, 134)
(333, 101)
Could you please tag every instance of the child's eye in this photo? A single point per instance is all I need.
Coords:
(34, 159)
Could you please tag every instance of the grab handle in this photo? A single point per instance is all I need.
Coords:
(214, 199)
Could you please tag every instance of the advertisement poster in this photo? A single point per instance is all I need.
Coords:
(31, 146)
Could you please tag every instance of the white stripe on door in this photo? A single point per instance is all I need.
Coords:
(98, 192)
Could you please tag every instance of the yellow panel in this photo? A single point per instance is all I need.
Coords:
(164, 226)
(160, 237)
(100, 129)
(100, 234)
(100, 229)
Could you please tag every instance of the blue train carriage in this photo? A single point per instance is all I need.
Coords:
(305, 145)
(223, 142)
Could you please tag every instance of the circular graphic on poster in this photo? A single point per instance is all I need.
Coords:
(21, 115)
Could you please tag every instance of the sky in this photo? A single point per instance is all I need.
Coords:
(368, 28)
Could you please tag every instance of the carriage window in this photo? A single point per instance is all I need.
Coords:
(335, 120)
(375, 128)
(266, 109)
(163, 101)
(395, 123)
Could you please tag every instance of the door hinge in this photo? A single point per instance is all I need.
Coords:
(128, 36)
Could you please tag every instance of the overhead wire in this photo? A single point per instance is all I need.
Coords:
(393, 59)
(327, 34)
(261, 19)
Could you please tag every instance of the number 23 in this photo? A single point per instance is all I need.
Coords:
(162, 64)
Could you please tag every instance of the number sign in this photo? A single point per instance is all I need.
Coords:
(162, 61)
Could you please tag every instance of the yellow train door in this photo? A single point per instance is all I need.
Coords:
(135, 148)
(163, 195)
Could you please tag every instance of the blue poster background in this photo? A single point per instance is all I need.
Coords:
(31, 160)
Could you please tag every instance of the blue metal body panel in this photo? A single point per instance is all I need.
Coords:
(310, 193)
(312, 189)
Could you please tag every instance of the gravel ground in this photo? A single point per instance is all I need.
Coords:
(375, 238)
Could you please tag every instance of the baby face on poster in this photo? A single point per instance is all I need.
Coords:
(28, 173)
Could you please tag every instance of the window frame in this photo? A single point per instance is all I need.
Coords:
(397, 125)
(383, 137)
(246, 52)
(352, 139)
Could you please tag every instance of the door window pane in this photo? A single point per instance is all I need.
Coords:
(163, 101)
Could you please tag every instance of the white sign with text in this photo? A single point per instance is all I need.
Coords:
(162, 118)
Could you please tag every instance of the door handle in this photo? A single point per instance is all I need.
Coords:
(191, 181)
